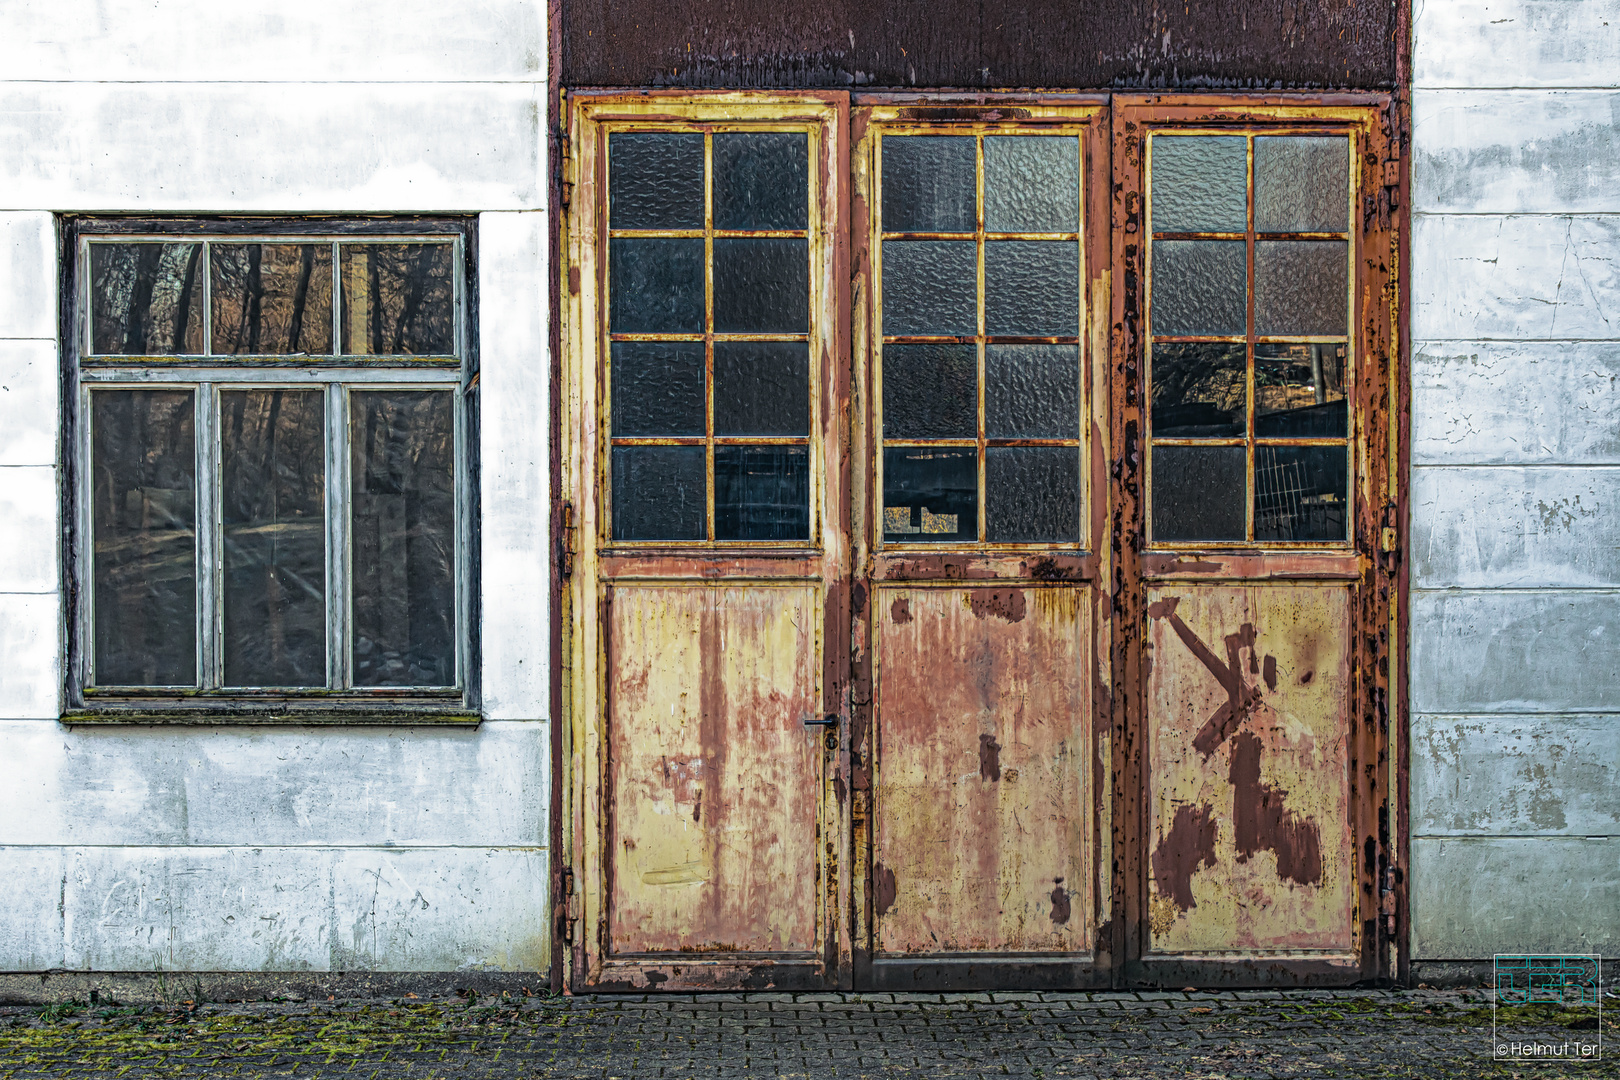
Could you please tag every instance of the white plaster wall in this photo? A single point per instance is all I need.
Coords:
(304, 849)
(1515, 650)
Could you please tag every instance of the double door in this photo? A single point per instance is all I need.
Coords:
(968, 542)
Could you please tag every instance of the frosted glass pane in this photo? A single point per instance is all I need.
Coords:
(929, 287)
(1032, 391)
(1032, 494)
(930, 392)
(655, 180)
(1301, 184)
(1301, 287)
(1032, 183)
(1032, 288)
(1200, 183)
(1199, 287)
(928, 183)
(1198, 493)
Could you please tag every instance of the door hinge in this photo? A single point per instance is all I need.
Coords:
(565, 542)
(570, 906)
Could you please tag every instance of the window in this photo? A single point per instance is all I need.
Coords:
(709, 334)
(981, 311)
(272, 484)
(1249, 331)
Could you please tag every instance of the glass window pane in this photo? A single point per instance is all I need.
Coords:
(273, 511)
(403, 537)
(1199, 390)
(1032, 183)
(272, 299)
(143, 518)
(1199, 287)
(930, 392)
(761, 285)
(1301, 183)
(930, 287)
(1032, 494)
(658, 493)
(1300, 492)
(930, 494)
(761, 180)
(761, 493)
(146, 299)
(1200, 183)
(657, 388)
(656, 286)
(1301, 287)
(1032, 288)
(1031, 391)
(761, 388)
(1198, 493)
(928, 183)
(1299, 390)
(656, 180)
(399, 299)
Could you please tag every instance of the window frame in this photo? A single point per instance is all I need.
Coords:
(337, 377)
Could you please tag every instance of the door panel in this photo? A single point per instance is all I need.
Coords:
(1248, 695)
(983, 843)
(713, 774)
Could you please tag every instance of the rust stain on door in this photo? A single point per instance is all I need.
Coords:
(1250, 783)
(983, 830)
(713, 776)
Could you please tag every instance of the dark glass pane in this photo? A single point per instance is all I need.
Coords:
(930, 494)
(928, 183)
(658, 493)
(1199, 287)
(273, 509)
(1031, 391)
(761, 180)
(761, 493)
(656, 180)
(1199, 390)
(403, 537)
(1300, 492)
(1299, 390)
(930, 287)
(272, 298)
(930, 392)
(399, 299)
(146, 299)
(1032, 494)
(1198, 493)
(761, 286)
(657, 388)
(1301, 287)
(1032, 288)
(761, 388)
(656, 286)
(1032, 183)
(143, 516)
(1200, 183)
(1301, 184)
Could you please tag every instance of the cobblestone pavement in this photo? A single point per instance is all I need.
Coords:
(1293, 1034)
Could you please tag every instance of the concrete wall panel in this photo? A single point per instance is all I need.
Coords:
(1508, 894)
(27, 275)
(30, 643)
(1490, 43)
(31, 915)
(1516, 775)
(28, 531)
(1510, 526)
(277, 786)
(30, 402)
(1497, 402)
(290, 41)
(1516, 151)
(1532, 651)
(278, 148)
(514, 406)
(1536, 276)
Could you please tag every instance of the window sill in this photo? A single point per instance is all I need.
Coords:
(360, 714)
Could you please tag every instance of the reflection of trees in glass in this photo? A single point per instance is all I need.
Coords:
(398, 299)
(145, 299)
(272, 298)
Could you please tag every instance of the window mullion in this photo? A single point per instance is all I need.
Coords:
(338, 676)
(209, 537)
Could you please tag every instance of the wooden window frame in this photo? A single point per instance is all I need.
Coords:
(337, 376)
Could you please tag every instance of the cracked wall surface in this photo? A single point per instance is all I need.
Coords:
(1515, 487)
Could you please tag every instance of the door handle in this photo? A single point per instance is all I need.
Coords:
(830, 720)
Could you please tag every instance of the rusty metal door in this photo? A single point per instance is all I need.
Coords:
(707, 613)
(978, 772)
(1255, 373)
